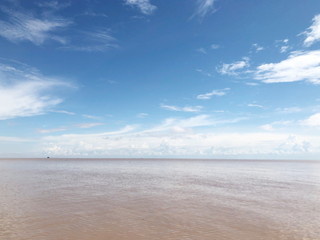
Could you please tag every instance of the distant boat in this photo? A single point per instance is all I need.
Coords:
(48, 157)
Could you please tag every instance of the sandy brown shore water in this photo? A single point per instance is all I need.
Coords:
(159, 199)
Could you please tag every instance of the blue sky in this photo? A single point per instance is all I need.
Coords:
(157, 78)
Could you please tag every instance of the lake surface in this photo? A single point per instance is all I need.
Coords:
(159, 199)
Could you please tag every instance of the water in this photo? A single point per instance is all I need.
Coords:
(159, 199)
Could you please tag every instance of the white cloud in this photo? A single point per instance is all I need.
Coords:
(283, 45)
(284, 49)
(25, 99)
(91, 13)
(271, 126)
(313, 32)
(267, 127)
(202, 50)
(180, 142)
(197, 136)
(255, 105)
(215, 46)
(63, 112)
(25, 92)
(299, 66)
(142, 115)
(24, 26)
(98, 40)
(312, 121)
(51, 130)
(14, 139)
(204, 7)
(173, 134)
(197, 121)
(187, 124)
(204, 72)
(91, 116)
(83, 144)
(257, 47)
(232, 68)
(112, 82)
(89, 125)
(209, 95)
(289, 110)
(182, 109)
(205, 50)
(54, 5)
(252, 84)
(144, 6)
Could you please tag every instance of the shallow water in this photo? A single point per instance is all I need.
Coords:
(159, 199)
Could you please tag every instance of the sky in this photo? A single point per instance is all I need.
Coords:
(160, 79)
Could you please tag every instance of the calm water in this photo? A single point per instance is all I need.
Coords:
(159, 199)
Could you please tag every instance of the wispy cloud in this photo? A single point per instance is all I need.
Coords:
(91, 13)
(144, 6)
(202, 50)
(89, 125)
(24, 26)
(252, 84)
(313, 32)
(14, 139)
(204, 7)
(82, 144)
(272, 126)
(181, 109)
(91, 116)
(205, 50)
(21, 25)
(63, 112)
(289, 110)
(203, 72)
(98, 40)
(181, 124)
(51, 130)
(299, 66)
(312, 121)
(25, 99)
(142, 115)
(215, 46)
(209, 95)
(284, 49)
(25, 92)
(233, 68)
(255, 105)
(283, 45)
(257, 47)
(54, 5)
(267, 127)
(180, 137)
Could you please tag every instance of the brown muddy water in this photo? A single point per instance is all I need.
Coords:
(61, 199)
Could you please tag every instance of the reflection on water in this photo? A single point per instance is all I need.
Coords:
(158, 199)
